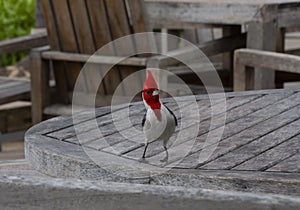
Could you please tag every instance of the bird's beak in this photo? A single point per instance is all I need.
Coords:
(155, 93)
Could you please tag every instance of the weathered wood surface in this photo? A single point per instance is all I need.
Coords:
(15, 116)
(17, 167)
(260, 139)
(24, 43)
(262, 17)
(28, 192)
(13, 89)
(63, 56)
(263, 59)
(76, 31)
(174, 13)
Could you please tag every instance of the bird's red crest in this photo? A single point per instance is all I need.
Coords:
(150, 82)
(152, 100)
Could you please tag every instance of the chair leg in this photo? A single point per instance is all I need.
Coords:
(39, 85)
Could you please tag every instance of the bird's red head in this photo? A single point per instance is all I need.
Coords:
(151, 96)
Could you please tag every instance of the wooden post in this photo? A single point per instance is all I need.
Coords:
(228, 57)
(39, 85)
(243, 77)
(262, 35)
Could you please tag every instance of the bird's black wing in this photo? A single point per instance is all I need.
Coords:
(144, 119)
(176, 123)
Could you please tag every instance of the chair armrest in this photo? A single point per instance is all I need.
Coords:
(24, 43)
(260, 59)
(100, 59)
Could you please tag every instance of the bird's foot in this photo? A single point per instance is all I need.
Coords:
(143, 160)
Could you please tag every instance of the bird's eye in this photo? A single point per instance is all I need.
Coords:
(148, 92)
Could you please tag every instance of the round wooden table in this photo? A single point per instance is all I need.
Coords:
(258, 150)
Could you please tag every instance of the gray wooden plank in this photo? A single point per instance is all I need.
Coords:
(254, 148)
(255, 105)
(115, 140)
(101, 143)
(86, 125)
(20, 89)
(3, 80)
(25, 87)
(231, 103)
(248, 121)
(63, 122)
(199, 12)
(125, 146)
(105, 128)
(262, 114)
(217, 96)
(23, 43)
(290, 164)
(272, 156)
(13, 83)
(237, 140)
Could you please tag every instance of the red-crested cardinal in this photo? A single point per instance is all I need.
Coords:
(159, 121)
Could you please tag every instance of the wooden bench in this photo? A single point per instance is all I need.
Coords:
(14, 116)
(245, 58)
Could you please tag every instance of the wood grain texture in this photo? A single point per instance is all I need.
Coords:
(258, 151)
(24, 43)
(13, 90)
(261, 59)
(54, 42)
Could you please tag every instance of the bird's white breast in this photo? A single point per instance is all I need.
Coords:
(155, 129)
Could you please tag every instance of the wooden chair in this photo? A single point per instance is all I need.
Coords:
(15, 93)
(18, 89)
(76, 29)
(245, 58)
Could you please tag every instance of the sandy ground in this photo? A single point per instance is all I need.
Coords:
(20, 70)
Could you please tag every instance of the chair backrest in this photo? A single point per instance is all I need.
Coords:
(83, 26)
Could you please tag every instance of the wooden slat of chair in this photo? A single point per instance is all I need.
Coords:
(100, 28)
(118, 16)
(13, 89)
(101, 33)
(67, 40)
(58, 67)
(86, 43)
(139, 18)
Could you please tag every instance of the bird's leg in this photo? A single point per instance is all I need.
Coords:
(167, 155)
(146, 146)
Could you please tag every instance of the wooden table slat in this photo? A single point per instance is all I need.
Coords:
(290, 165)
(273, 156)
(226, 145)
(254, 148)
(252, 132)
